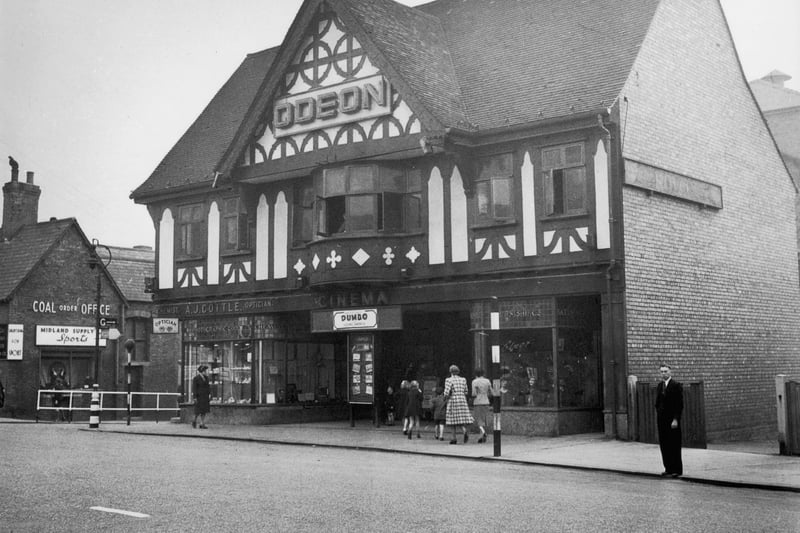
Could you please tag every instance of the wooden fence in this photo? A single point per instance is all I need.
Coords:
(693, 420)
(792, 418)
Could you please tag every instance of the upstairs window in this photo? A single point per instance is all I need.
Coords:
(493, 188)
(191, 237)
(234, 232)
(564, 180)
(368, 198)
(303, 214)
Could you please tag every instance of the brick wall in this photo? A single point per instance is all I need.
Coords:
(714, 293)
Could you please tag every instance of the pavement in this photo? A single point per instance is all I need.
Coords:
(749, 464)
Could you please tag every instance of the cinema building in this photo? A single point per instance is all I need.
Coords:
(353, 204)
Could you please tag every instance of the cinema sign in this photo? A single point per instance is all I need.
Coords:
(332, 106)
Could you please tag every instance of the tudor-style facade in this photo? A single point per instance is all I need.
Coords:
(352, 206)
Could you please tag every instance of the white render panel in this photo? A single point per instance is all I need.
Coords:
(262, 239)
(281, 239)
(212, 259)
(435, 218)
(459, 238)
(166, 250)
(602, 212)
(528, 208)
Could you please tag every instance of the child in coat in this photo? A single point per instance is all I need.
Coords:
(439, 409)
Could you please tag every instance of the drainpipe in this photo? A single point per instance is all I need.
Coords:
(609, 276)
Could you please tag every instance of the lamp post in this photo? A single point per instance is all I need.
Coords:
(94, 263)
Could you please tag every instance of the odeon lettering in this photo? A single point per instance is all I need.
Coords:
(349, 102)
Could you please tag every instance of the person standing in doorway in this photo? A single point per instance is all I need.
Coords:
(455, 390)
(669, 407)
(482, 392)
(201, 388)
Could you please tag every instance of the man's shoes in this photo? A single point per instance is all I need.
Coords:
(203, 427)
(675, 475)
(482, 439)
(665, 474)
(194, 424)
(454, 441)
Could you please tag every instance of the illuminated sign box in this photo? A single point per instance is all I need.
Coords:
(380, 318)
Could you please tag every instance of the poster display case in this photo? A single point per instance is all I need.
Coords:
(361, 364)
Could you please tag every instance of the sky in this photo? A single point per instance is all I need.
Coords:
(94, 93)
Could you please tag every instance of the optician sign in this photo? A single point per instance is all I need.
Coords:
(66, 336)
(355, 319)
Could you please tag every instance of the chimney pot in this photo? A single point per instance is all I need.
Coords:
(29, 177)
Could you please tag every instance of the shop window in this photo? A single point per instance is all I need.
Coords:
(527, 373)
(234, 231)
(230, 370)
(578, 367)
(191, 237)
(368, 198)
(137, 328)
(297, 372)
(493, 188)
(564, 180)
(303, 214)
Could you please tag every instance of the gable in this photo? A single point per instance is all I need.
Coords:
(331, 94)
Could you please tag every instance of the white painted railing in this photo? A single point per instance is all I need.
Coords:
(80, 400)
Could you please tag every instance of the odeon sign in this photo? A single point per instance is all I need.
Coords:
(332, 106)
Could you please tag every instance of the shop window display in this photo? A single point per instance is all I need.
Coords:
(230, 370)
(526, 361)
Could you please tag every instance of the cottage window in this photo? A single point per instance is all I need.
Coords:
(564, 180)
(493, 188)
(368, 198)
(191, 237)
(136, 328)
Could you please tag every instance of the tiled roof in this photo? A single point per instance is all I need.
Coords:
(194, 157)
(414, 44)
(20, 254)
(129, 267)
(470, 64)
(520, 61)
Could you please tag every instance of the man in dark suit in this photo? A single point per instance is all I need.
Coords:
(669, 406)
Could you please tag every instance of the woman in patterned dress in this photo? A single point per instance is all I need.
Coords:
(455, 390)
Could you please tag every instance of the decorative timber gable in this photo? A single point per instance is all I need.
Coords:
(331, 94)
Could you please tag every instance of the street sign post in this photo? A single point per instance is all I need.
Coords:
(108, 322)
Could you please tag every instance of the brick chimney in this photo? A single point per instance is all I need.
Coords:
(20, 202)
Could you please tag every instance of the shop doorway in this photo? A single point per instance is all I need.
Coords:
(430, 341)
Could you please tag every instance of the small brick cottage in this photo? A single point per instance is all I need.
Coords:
(49, 309)
(352, 206)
